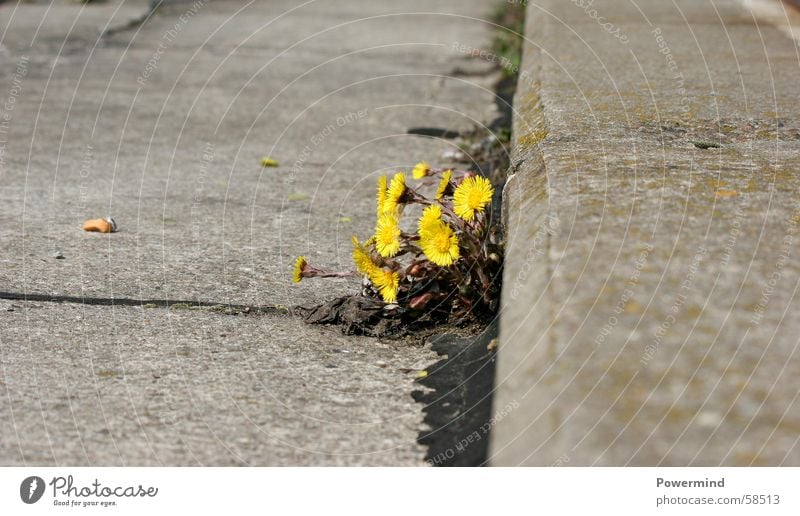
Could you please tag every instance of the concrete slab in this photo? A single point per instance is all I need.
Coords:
(163, 127)
(111, 386)
(653, 215)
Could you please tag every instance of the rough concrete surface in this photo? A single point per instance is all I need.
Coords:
(650, 291)
(137, 386)
(162, 125)
(165, 132)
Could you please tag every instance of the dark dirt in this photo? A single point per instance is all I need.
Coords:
(359, 315)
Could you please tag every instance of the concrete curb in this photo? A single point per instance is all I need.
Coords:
(651, 216)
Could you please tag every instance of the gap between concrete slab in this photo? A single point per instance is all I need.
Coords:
(149, 303)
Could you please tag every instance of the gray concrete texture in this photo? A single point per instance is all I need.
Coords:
(162, 126)
(168, 140)
(650, 292)
(103, 386)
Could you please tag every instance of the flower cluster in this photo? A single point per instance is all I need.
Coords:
(450, 260)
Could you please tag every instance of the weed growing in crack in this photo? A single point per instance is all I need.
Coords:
(449, 264)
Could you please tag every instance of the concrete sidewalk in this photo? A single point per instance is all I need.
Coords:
(650, 288)
(162, 125)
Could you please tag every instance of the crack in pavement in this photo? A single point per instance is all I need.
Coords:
(134, 23)
(155, 303)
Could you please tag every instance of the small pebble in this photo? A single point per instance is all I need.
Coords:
(59, 255)
(453, 155)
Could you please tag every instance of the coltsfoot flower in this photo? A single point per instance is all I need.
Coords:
(421, 170)
(444, 185)
(381, 197)
(387, 235)
(431, 217)
(395, 194)
(299, 267)
(362, 259)
(439, 243)
(472, 196)
(387, 282)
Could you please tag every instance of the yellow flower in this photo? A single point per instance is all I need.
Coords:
(443, 184)
(421, 170)
(471, 196)
(381, 193)
(362, 259)
(440, 244)
(387, 282)
(431, 216)
(387, 235)
(395, 193)
(299, 265)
